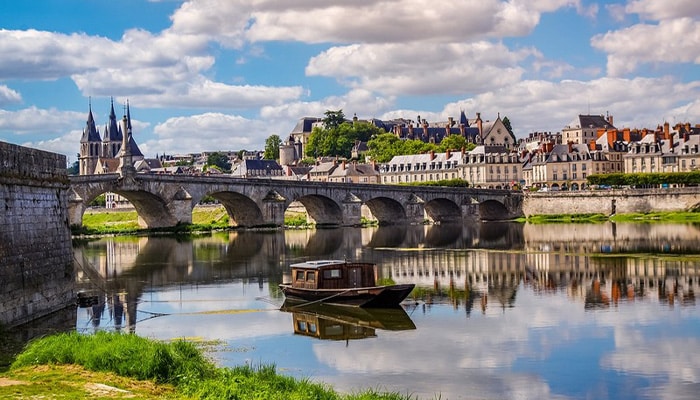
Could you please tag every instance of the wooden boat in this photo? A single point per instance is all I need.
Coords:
(342, 282)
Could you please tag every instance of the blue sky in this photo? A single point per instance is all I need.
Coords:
(206, 75)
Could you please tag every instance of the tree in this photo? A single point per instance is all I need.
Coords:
(339, 140)
(333, 119)
(272, 147)
(506, 123)
(453, 142)
(74, 169)
(219, 160)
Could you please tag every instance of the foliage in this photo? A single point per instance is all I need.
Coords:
(645, 179)
(99, 201)
(385, 146)
(178, 363)
(338, 139)
(272, 147)
(333, 119)
(506, 123)
(74, 169)
(455, 142)
(219, 160)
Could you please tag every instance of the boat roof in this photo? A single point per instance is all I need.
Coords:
(318, 263)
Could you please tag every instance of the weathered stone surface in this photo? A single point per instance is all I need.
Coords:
(36, 264)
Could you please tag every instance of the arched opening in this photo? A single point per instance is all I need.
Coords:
(442, 210)
(492, 210)
(242, 210)
(321, 210)
(385, 210)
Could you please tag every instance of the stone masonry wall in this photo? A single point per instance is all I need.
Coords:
(36, 256)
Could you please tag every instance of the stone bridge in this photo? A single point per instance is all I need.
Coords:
(167, 200)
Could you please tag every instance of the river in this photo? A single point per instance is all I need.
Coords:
(503, 310)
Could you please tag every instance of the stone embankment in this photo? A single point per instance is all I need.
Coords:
(611, 202)
(36, 257)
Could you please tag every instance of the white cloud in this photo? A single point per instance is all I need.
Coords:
(232, 23)
(419, 69)
(207, 132)
(671, 41)
(9, 96)
(662, 9)
(44, 122)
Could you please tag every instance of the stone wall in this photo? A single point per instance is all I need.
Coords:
(611, 201)
(36, 256)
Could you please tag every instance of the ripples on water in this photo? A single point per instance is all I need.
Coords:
(501, 311)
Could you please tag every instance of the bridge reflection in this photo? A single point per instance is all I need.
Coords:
(470, 266)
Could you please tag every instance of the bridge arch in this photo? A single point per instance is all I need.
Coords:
(386, 211)
(492, 210)
(321, 210)
(241, 209)
(442, 210)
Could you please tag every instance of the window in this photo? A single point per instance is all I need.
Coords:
(310, 276)
(331, 274)
(300, 276)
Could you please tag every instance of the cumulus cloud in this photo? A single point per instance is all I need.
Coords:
(45, 122)
(232, 23)
(671, 41)
(417, 69)
(9, 96)
(208, 132)
(660, 9)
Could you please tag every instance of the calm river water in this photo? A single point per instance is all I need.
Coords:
(504, 310)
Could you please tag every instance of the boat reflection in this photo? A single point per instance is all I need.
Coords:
(330, 322)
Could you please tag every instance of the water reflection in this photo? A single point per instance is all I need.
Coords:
(329, 322)
(501, 311)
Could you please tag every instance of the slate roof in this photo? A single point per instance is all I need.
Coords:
(90, 133)
(589, 121)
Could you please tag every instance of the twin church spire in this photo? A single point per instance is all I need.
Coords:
(94, 147)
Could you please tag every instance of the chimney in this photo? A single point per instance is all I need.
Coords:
(432, 155)
(344, 166)
(479, 124)
(451, 121)
(591, 145)
(447, 154)
(571, 146)
(670, 143)
(666, 126)
(610, 120)
(626, 135)
(687, 126)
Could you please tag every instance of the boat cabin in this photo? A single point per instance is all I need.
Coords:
(333, 274)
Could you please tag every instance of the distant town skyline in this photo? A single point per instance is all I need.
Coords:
(208, 75)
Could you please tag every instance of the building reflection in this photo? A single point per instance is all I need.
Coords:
(474, 266)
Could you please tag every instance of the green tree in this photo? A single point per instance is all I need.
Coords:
(272, 147)
(339, 140)
(333, 119)
(219, 160)
(506, 122)
(74, 169)
(453, 142)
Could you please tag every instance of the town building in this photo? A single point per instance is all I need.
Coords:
(665, 150)
(584, 128)
(492, 167)
(422, 167)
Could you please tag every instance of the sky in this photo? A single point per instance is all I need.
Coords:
(220, 75)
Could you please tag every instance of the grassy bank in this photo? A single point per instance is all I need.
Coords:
(667, 217)
(114, 365)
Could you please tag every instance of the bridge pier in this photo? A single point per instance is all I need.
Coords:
(352, 211)
(415, 210)
(273, 210)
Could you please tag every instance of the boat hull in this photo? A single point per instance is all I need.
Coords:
(375, 296)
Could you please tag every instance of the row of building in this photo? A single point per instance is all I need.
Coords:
(589, 144)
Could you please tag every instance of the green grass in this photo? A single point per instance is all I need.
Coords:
(674, 217)
(566, 218)
(178, 364)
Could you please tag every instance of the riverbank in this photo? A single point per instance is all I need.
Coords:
(115, 365)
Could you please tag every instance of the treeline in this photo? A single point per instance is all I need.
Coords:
(646, 179)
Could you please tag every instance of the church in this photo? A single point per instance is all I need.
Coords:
(100, 155)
